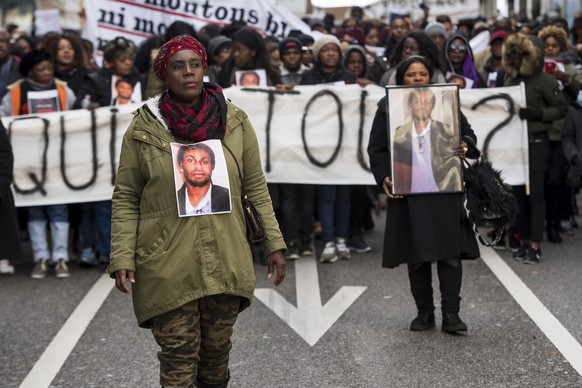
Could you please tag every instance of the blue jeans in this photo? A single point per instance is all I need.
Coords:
(96, 222)
(334, 211)
(58, 217)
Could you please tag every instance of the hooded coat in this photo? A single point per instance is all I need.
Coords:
(180, 259)
(523, 61)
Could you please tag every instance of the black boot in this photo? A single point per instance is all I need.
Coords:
(553, 233)
(424, 321)
(452, 323)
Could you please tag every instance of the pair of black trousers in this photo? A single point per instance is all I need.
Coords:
(450, 273)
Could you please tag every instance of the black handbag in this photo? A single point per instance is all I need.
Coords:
(488, 200)
(255, 231)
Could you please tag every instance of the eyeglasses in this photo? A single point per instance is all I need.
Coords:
(421, 141)
(458, 47)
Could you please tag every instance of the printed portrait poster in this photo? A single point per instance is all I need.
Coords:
(45, 101)
(252, 78)
(423, 128)
(463, 82)
(201, 178)
(122, 92)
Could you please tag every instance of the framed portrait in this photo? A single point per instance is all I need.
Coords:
(423, 128)
(251, 78)
(201, 178)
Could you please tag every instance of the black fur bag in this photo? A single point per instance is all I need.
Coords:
(488, 199)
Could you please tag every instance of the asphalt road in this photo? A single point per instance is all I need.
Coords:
(368, 346)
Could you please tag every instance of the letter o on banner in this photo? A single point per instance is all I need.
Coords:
(341, 128)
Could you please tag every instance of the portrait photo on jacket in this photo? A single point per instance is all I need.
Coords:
(423, 128)
(201, 178)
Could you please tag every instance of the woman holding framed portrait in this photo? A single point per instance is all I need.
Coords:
(431, 224)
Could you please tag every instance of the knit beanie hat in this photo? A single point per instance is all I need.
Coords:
(325, 39)
(435, 27)
(290, 43)
(32, 59)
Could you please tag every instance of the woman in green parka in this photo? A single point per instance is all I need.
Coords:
(190, 277)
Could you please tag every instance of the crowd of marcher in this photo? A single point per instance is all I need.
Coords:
(544, 54)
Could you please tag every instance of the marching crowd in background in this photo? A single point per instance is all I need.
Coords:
(544, 54)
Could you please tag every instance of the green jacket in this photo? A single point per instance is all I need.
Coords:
(177, 260)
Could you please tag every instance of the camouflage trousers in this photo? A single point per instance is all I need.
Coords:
(195, 341)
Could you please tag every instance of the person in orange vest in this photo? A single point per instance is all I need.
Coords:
(23, 98)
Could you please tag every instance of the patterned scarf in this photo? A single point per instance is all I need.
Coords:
(208, 123)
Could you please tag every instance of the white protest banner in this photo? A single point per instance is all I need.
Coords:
(455, 9)
(139, 19)
(315, 134)
(507, 148)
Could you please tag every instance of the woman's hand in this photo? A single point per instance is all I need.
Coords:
(121, 278)
(461, 150)
(387, 186)
(277, 260)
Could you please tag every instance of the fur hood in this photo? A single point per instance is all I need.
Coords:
(523, 56)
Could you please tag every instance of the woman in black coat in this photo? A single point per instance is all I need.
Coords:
(424, 228)
(10, 247)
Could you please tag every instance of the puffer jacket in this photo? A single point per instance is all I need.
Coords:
(177, 260)
(523, 61)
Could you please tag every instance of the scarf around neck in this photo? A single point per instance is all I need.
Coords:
(206, 120)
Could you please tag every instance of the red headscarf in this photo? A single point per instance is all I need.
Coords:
(179, 43)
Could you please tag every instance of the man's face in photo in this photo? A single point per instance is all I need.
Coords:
(197, 167)
(421, 105)
(124, 90)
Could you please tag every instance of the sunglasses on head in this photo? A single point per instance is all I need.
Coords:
(458, 47)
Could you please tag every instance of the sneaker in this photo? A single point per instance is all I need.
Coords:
(292, 252)
(88, 258)
(62, 270)
(566, 227)
(513, 242)
(39, 270)
(306, 248)
(342, 249)
(329, 254)
(532, 255)
(520, 253)
(104, 259)
(6, 268)
(357, 244)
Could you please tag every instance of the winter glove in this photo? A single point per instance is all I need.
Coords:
(530, 114)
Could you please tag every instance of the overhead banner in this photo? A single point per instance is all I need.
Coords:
(139, 19)
(313, 134)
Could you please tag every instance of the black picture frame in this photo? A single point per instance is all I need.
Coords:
(422, 143)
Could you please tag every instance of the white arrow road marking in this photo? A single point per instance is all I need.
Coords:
(309, 319)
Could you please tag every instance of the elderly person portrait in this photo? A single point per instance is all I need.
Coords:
(424, 159)
(198, 195)
(189, 277)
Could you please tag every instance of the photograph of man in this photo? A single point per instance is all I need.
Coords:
(124, 91)
(251, 78)
(198, 194)
(423, 149)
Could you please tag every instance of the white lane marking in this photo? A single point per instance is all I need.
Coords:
(51, 361)
(542, 317)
